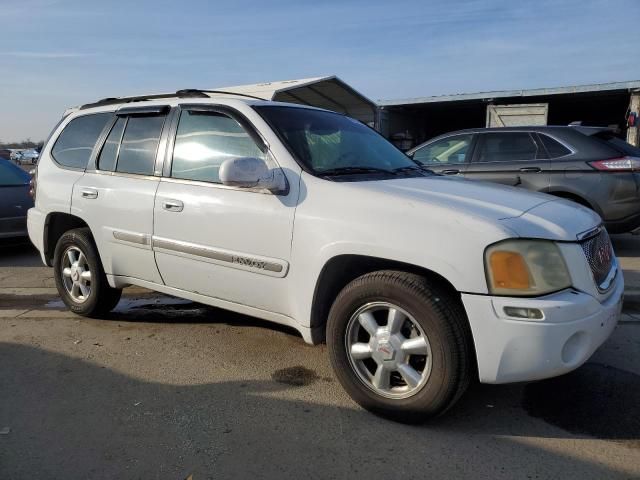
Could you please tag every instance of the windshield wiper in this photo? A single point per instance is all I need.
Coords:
(354, 171)
(413, 168)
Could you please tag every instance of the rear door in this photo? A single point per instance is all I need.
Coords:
(116, 194)
(510, 158)
(448, 156)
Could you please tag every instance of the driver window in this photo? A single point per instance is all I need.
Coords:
(204, 141)
(444, 152)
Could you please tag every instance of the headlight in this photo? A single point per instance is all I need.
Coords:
(525, 267)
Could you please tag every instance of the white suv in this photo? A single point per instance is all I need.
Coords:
(417, 282)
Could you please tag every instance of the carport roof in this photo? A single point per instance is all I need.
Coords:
(535, 92)
(325, 92)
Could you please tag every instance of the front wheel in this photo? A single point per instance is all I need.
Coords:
(400, 346)
(80, 279)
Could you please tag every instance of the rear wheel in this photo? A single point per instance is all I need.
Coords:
(400, 346)
(80, 279)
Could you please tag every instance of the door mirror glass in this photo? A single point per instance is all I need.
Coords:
(249, 172)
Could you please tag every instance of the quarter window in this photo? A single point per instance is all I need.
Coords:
(554, 148)
(74, 145)
(204, 140)
(139, 145)
(506, 147)
(446, 151)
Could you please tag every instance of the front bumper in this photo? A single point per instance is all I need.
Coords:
(509, 350)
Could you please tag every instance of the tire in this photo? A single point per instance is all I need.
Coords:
(100, 298)
(439, 316)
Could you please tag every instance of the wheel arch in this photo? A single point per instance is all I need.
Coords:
(56, 224)
(339, 270)
(576, 197)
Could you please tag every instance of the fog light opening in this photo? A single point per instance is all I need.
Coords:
(575, 349)
(525, 313)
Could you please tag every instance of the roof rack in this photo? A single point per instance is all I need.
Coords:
(185, 93)
(222, 92)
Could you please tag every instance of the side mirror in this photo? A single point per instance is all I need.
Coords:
(249, 172)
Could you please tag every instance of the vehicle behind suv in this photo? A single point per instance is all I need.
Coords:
(589, 165)
(305, 217)
(15, 200)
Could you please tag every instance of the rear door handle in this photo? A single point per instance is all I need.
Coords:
(530, 169)
(452, 171)
(89, 193)
(173, 205)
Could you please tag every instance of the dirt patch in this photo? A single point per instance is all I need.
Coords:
(296, 376)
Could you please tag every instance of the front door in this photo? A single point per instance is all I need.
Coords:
(229, 243)
(510, 158)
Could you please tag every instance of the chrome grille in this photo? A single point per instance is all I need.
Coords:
(599, 254)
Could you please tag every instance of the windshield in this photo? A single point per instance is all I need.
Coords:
(330, 144)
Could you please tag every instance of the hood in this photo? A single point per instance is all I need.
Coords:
(525, 213)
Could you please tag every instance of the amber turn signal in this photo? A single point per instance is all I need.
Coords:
(509, 270)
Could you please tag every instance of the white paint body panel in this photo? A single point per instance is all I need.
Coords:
(249, 224)
(437, 223)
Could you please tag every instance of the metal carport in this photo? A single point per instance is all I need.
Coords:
(598, 105)
(323, 92)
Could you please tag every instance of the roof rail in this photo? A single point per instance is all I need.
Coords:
(185, 93)
(222, 92)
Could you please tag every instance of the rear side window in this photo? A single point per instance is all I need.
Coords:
(74, 145)
(206, 139)
(109, 153)
(11, 176)
(554, 148)
(139, 145)
(132, 145)
(506, 147)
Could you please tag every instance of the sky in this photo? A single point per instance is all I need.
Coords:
(59, 53)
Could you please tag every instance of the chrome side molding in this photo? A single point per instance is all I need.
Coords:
(268, 266)
(131, 237)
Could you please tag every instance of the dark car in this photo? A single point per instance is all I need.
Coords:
(15, 200)
(589, 165)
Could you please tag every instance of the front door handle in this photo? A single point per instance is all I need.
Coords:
(452, 171)
(530, 169)
(173, 205)
(89, 193)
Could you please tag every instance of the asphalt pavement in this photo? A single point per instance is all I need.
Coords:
(165, 388)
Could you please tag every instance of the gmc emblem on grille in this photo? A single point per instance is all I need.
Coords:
(604, 254)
